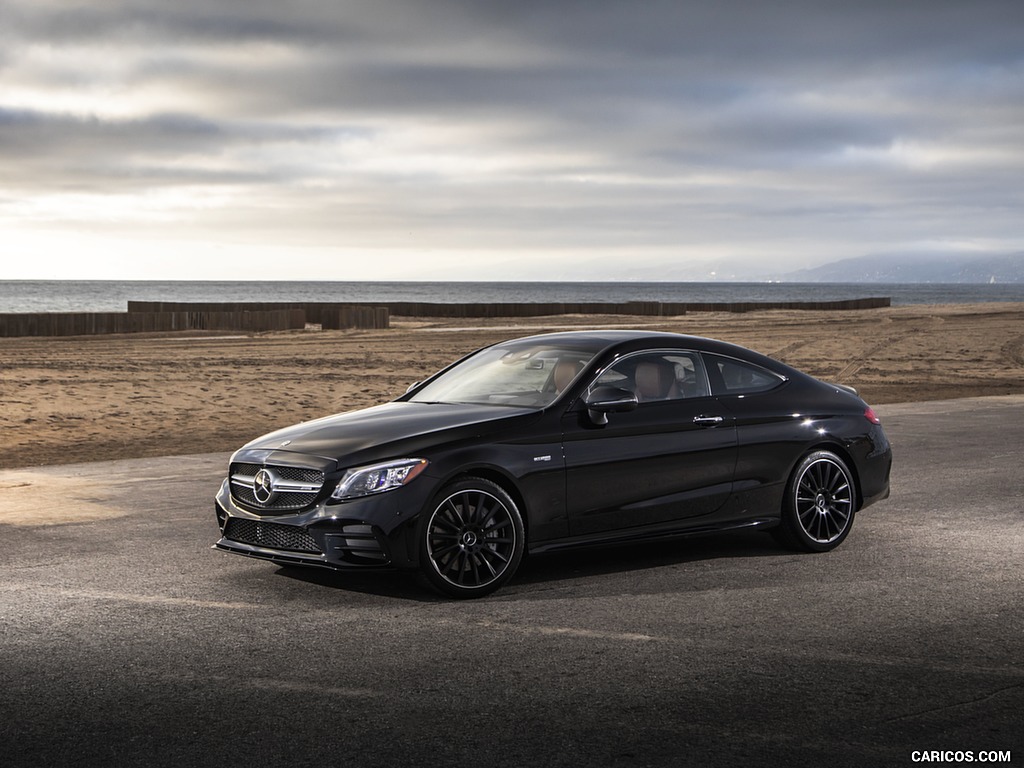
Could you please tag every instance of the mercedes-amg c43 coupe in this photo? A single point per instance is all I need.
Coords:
(557, 441)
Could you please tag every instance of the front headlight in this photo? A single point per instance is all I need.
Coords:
(378, 478)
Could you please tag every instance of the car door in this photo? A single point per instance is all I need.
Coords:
(671, 458)
(770, 434)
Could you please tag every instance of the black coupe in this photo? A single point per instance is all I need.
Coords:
(557, 441)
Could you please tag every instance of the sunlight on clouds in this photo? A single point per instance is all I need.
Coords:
(444, 153)
(193, 254)
(87, 80)
(679, 182)
(925, 156)
(161, 205)
(109, 102)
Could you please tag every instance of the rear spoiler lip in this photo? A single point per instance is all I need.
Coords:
(845, 388)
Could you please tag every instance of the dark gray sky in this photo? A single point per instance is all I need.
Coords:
(403, 139)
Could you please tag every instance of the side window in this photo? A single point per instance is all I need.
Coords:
(659, 376)
(735, 377)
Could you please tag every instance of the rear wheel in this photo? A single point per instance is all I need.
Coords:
(818, 510)
(471, 538)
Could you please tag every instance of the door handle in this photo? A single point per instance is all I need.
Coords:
(708, 420)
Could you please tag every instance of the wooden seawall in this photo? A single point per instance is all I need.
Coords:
(319, 312)
(153, 316)
(331, 316)
(641, 308)
(94, 323)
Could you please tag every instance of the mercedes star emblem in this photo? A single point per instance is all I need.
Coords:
(263, 486)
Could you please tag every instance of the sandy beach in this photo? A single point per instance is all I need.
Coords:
(97, 398)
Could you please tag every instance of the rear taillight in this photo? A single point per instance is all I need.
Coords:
(871, 416)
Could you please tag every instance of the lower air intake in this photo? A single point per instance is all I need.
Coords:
(290, 538)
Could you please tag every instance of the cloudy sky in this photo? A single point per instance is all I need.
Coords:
(487, 139)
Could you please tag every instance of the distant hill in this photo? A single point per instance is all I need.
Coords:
(917, 268)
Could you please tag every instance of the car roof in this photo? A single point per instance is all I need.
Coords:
(605, 339)
(609, 336)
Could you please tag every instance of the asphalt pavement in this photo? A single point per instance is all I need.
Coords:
(126, 641)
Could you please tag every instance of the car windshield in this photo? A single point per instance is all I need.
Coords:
(519, 375)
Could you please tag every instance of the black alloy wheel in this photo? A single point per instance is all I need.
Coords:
(820, 502)
(471, 538)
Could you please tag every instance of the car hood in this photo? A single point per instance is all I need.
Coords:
(375, 433)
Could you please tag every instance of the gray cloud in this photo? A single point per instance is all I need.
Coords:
(682, 130)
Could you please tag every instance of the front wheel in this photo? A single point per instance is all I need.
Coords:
(821, 498)
(471, 538)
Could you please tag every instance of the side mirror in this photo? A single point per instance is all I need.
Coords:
(601, 401)
(413, 386)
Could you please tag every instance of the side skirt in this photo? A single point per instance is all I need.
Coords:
(653, 533)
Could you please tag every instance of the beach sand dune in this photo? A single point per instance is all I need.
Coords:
(97, 398)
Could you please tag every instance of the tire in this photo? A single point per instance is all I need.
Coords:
(819, 506)
(471, 538)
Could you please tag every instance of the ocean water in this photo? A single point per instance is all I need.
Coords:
(113, 296)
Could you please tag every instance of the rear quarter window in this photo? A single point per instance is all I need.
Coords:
(730, 376)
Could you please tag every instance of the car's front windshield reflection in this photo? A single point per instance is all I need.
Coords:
(522, 376)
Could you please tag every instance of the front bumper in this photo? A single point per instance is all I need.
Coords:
(369, 533)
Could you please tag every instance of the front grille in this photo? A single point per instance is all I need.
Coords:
(293, 487)
(270, 535)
